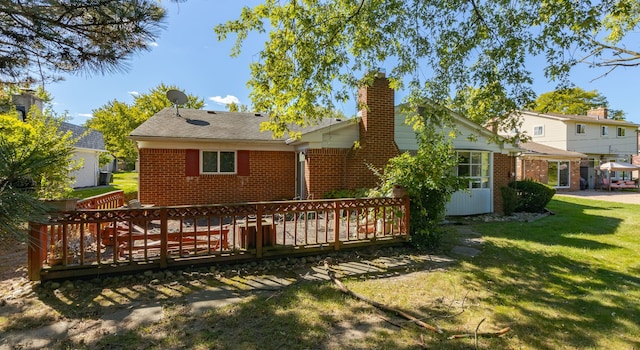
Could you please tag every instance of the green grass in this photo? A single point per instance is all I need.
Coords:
(567, 281)
(126, 181)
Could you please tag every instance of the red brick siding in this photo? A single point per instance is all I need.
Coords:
(503, 166)
(377, 144)
(163, 179)
(537, 169)
(325, 170)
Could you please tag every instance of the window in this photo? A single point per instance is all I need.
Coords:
(581, 129)
(604, 130)
(475, 167)
(538, 130)
(218, 162)
(558, 174)
(621, 132)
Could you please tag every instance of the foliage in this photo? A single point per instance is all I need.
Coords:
(573, 101)
(45, 37)
(533, 196)
(318, 51)
(117, 119)
(509, 200)
(346, 193)
(35, 162)
(104, 159)
(428, 179)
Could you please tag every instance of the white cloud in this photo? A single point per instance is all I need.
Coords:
(224, 100)
(85, 115)
(154, 44)
(133, 93)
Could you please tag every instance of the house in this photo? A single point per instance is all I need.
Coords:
(596, 136)
(551, 166)
(201, 157)
(88, 147)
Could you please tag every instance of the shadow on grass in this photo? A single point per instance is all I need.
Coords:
(300, 316)
(552, 297)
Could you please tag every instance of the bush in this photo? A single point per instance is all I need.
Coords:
(533, 196)
(509, 200)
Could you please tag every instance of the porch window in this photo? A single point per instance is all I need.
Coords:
(558, 174)
(216, 162)
(475, 167)
(621, 132)
(581, 129)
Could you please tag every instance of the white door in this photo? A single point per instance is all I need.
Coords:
(476, 168)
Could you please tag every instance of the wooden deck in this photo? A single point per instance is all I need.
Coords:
(101, 237)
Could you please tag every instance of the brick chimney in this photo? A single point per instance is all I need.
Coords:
(598, 113)
(377, 133)
(24, 101)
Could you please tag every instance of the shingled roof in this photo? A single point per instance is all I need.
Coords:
(87, 138)
(579, 118)
(197, 124)
(540, 150)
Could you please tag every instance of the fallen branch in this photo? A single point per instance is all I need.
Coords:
(376, 304)
(499, 333)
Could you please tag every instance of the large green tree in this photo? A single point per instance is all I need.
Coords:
(573, 101)
(318, 51)
(117, 119)
(35, 162)
(42, 38)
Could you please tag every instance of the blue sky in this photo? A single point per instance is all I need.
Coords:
(187, 54)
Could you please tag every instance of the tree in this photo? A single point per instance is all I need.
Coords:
(41, 38)
(35, 162)
(318, 51)
(117, 119)
(573, 101)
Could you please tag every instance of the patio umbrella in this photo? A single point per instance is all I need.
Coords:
(619, 166)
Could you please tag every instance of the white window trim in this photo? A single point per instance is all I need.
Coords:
(472, 179)
(235, 163)
(541, 128)
(558, 175)
(584, 129)
(623, 129)
(604, 130)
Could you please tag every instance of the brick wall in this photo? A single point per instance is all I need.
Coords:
(503, 166)
(537, 169)
(325, 171)
(377, 144)
(163, 180)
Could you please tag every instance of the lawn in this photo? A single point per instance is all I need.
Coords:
(566, 281)
(126, 181)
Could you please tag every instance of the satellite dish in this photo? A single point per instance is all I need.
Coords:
(177, 98)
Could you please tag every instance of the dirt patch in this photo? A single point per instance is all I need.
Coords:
(13, 268)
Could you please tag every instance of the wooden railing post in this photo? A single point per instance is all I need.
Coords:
(259, 233)
(164, 238)
(336, 225)
(407, 215)
(35, 250)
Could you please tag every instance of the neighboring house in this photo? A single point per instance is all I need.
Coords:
(549, 165)
(88, 148)
(202, 157)
(600, 139)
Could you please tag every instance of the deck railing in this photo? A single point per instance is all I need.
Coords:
(108, 200)
(97, 241)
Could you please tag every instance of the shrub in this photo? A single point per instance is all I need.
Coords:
(345, 193)
(509, 200)
(533, 196)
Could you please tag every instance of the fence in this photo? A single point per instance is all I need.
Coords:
(103, 237)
